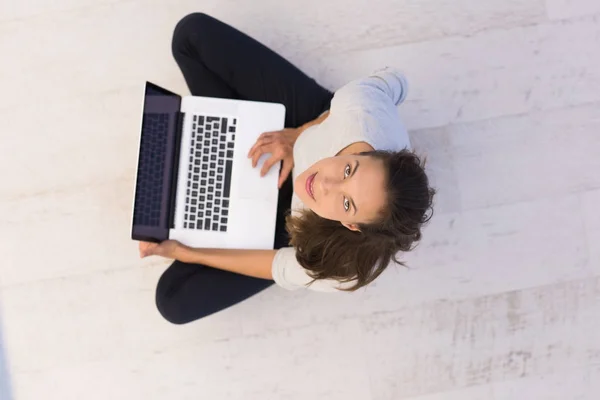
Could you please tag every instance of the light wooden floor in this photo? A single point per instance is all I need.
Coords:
(503, 302)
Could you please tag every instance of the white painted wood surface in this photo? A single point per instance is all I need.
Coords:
(502, 300)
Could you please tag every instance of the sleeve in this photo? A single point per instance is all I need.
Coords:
(387, 85)
(366, 110)
(290, 275)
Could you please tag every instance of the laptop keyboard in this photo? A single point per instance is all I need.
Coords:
(149, 186)
(209, 178)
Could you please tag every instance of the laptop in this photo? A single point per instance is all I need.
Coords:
(194, 181)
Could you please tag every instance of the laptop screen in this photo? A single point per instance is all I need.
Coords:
(160, 134)
(159, 100)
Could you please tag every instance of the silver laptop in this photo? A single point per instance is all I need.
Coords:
(194, 182)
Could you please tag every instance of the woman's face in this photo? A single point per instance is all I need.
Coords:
(346, 188)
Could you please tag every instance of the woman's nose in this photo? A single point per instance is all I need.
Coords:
(329, 184)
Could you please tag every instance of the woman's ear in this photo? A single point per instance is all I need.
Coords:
(352, 227)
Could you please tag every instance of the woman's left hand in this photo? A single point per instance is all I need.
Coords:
(168, 249)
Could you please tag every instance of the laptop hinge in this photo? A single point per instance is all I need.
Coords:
(175, 170)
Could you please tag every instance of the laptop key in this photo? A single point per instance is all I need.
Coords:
(223, 228)
(225, 203)
(215, 227)
(228, 167)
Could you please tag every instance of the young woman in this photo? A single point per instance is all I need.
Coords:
(357, 195)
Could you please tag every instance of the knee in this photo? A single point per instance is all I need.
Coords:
(196, 22)
(167, 305)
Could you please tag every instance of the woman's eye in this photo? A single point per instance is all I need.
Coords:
(346, 204)
(347, 171)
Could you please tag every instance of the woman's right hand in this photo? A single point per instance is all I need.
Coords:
(281, 146)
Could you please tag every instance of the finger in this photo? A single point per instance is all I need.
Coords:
(258, 145)
(149, 249)
(261, 139)
(267, 148)
(142, 248)
(268, 164)
(285, 172)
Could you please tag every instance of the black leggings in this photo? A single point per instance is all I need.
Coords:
(220, 61)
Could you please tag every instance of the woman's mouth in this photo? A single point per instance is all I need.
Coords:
(309, 186)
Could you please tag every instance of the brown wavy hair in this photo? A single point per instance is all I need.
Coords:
(328, 250)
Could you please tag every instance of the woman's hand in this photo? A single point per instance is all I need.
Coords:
(168, 249)
(281, 146)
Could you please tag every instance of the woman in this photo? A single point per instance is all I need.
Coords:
(357, 198)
